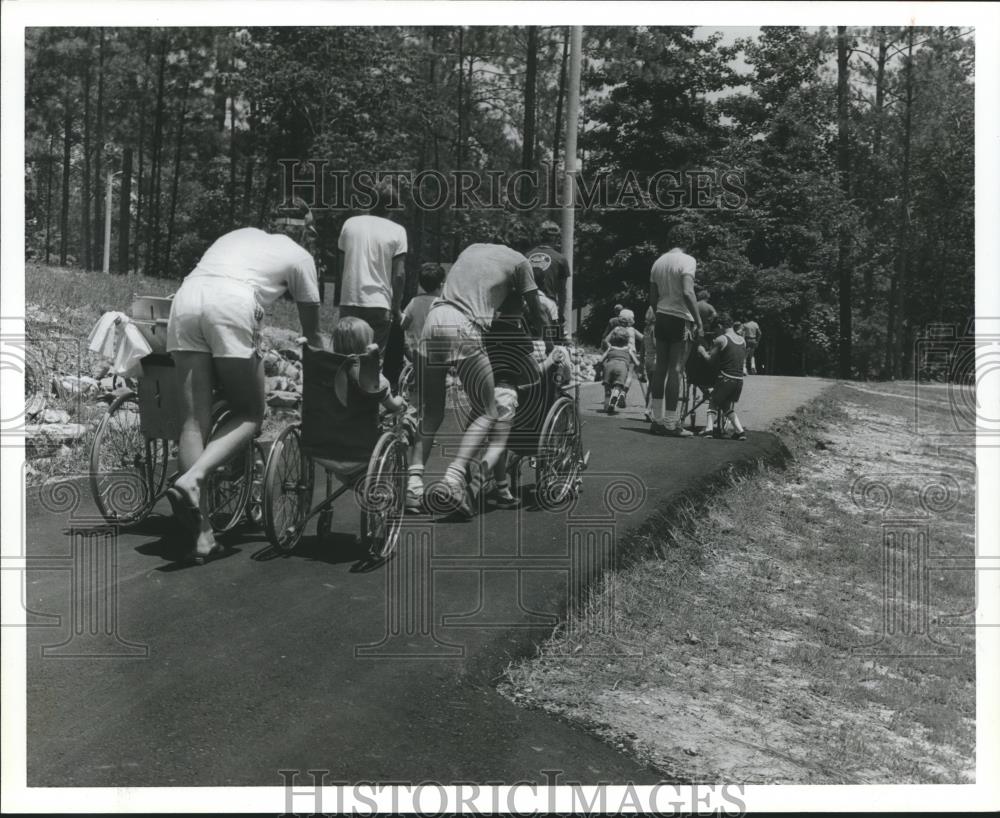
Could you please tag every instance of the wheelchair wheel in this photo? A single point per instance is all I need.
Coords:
(127, 471)
(685, 402)
(382, 495)
(407, 382)
(255, 505)
(230, 486)
(559, 458)
(288, 490)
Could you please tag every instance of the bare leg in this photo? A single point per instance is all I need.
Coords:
(676, 359)
(242, 382)
(476, 375)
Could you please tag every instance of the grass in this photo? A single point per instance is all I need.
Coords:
(730, 655)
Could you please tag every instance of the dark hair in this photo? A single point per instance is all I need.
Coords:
(682, 235)
(700, 293)
(386, 195)
(431, 276)
(291, 208)
(724, 320)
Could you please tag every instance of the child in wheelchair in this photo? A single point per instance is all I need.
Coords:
(525, 380)
(345, 399)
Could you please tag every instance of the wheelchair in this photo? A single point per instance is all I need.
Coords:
(131, 450)
(697, 382)
(546, 435)
(350, 443)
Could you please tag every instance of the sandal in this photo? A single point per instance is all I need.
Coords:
(184, 511)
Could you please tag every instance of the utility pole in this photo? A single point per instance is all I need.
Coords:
(569, 183)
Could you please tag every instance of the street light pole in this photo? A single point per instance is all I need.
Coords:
(106, 266)
(569, 182)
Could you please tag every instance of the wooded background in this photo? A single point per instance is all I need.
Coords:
(856, 145)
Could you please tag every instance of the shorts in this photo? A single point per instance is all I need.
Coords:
(449, 336)
(726, 393)
(751, 349)
(671, 329)
(615, 373)
(506, 400)
(217, 315)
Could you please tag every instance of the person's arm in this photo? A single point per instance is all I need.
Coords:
(654, 295)
(536, 313)
(691, 302)
(309, 320)
(398, 283)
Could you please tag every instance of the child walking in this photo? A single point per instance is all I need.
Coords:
(728, 354)
(618, 362)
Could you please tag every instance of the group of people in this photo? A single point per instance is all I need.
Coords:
(494, 321)
(679, 323)
(214, 336)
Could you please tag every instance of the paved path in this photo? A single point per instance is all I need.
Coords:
(251, 665)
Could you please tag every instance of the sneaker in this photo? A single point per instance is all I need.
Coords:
(621, 401)
(453, 497)
(415, 498)
(657, 428)
(502, 498)
(738, 436)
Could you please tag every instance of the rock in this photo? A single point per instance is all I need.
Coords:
(275, 383)
(272, 362)
(109, 383)
(72, 385)
(54, 416)
(34, 406)
(283, 400)
(290, 353)
(50, 435)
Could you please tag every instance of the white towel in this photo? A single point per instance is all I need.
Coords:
(116, 339)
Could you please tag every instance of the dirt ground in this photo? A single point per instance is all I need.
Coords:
(738, 647)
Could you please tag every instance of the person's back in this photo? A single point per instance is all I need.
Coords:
(369, 243)
(553, 266)
(271, 263)
(751, 330)
(733, 354)
(668, 273)
(481, 279)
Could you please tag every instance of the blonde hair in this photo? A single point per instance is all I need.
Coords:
(352, 336)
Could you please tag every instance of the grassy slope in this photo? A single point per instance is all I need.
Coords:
(744, 615)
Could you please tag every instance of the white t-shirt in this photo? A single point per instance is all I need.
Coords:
(369, 244)
(271, 263)
(668, 274)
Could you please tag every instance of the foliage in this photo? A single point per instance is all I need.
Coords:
(207, 114)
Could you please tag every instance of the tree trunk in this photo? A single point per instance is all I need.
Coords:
(530, 88)
(85, 189)
(897, 283)
(140, 198)
(153, 232)
(844, 169)
(877, 186)
(67, 146)
(557, 133)
(906, 296)
(48, 196)
(461, 100)
(99, 145)
(232, 162)
(124, 211)
(178, 149)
